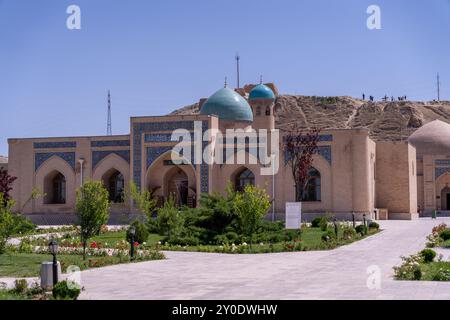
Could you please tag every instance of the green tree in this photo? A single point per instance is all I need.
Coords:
(92, 208)
(170, 220)
(251, 206)
(144, 202)
(7, 227)
(141, 232)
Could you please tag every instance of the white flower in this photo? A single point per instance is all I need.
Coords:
(244, 243)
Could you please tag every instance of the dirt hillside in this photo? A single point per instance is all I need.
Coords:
(385, 120)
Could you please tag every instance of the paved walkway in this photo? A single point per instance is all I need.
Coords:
(336, 274)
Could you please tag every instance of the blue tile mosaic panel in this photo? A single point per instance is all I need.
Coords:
(110, 143)
(54, 145)
(154, 152)
(324, 151)
(150, 127)
(440, 171)
(322, 138)
(442, 162)
(98, 156)
(40, 158)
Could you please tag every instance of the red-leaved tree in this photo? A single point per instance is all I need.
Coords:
(6, 182)
(300, 145)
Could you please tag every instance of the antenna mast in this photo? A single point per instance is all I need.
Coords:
(237, 68)
(109, 125)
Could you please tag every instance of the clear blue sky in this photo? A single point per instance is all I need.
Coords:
(156, 56)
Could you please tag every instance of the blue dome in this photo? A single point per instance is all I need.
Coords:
(261, 91)
(228, 105)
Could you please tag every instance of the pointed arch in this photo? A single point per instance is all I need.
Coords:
(56, 178)
(243, 177)
(114, 172)
(163, 177)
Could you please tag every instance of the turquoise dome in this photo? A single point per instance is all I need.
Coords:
(261, 91)
(228, 105)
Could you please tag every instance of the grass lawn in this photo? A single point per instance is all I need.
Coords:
(311, 239)
(9, 295)
(429, 270)
(23, 265)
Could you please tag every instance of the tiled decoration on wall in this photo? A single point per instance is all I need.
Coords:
(148, 128)
(442, 162)
(110, 143)
(440, 171)
(154, 152)
(98, 156)
(322, 138)
(324, 151)
(40, 158)
(55, 145)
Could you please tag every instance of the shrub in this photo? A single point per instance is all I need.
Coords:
(445, 235)
(292, 234)
(66, 290)
(7, 227)
(323, 224)
(374, 225)
(170, 221)
(20, 286)
(328, 236)
(316, 222)
(251, 206)
(141, 234)
(349, 233)
(409, 269)
(428, 255)
(441, 275)
(361, 229)
(417, 272)
(227, 238)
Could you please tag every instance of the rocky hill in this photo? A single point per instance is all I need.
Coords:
(385, 120)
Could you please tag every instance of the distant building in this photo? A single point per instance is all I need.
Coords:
(3, 163)
(351, 173)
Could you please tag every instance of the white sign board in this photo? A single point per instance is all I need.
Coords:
(293, 215)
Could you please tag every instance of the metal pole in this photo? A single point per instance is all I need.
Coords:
(55, 270)
(132, 248)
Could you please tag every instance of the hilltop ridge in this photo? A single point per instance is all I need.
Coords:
(385, 120)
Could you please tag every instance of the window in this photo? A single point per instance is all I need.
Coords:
(268, 111)
(258, 111)
(116, 186)
(312, 190)
(59, 189)
(244, 178)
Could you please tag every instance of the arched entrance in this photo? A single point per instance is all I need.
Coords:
(178, 186)
(55, 188)
(114, 182)
(445, 198)
(244, 177)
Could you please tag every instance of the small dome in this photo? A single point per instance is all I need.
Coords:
(261, 91)
(228, 105)
(432, 138)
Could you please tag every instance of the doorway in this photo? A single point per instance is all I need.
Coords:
(448, 202)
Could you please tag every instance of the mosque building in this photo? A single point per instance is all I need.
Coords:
(351, 173)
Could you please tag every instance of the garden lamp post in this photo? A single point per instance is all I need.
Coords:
(132, 234)
(365, 223)
(53, 248)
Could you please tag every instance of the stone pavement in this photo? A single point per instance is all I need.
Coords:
(336, 274)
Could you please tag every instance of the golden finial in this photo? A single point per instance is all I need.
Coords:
(225, 82)
(260, 79)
